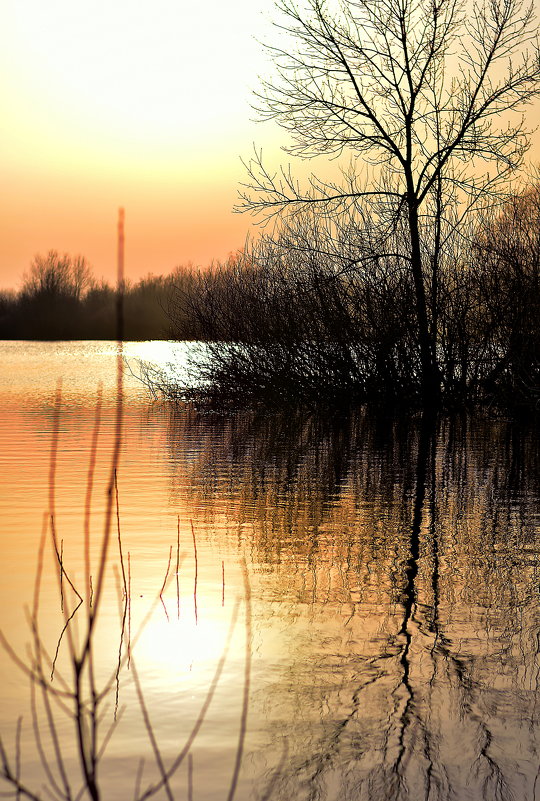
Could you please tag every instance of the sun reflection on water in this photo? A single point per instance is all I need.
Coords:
(172, 648)
(366, 675)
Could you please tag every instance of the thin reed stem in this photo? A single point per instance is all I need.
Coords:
(151, 736)
(247, 683)
(54, 449)
(61, 560)
(155, 788)
(178, 568)
(165, 583)
(222, 583)
(125, 595)
(129, 611)
(190, 777)
(88, 496)
(196, 571)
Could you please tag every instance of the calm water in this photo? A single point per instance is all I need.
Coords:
(350, 606)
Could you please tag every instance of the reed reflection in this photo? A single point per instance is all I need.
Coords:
(404, 561)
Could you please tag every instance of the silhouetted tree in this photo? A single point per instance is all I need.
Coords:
(51, 296)
(58, 275)
(61, 299)
(415, 88)
(505, 259)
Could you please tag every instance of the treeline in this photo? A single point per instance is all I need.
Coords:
(324, 313)
(61, 299)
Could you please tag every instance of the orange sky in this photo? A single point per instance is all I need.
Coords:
(145, 106)
(141, 105)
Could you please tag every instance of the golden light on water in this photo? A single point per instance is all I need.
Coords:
(174, 646)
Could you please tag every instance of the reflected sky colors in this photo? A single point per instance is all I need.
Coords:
(393, 571)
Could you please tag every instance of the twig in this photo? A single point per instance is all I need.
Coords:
(165, 582)
(277, 773)
(196, 571)
(177, 569)
(151, 736)
(119, 533)
(125, 596)
(61, 560)
(68, 616)
(64, 629)
(88, 497)
(190, 777)
(18, 755)
(247, 681)
(154, 788)
(129, 611)
(138, 779)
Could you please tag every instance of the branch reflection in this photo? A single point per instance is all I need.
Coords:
(399, 562)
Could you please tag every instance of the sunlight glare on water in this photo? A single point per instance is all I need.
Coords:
(393, 627)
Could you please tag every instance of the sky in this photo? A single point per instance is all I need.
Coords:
(141, 105)
(144, 105)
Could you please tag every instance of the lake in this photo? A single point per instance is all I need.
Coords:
(290, 607)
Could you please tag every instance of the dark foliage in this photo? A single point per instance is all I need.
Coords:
(316, 317)
(60, 299)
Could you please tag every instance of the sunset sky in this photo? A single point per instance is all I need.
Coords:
(142, 105)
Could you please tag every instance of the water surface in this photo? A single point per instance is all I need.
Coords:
(393, 570)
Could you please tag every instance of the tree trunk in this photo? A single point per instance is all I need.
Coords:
(430, 378)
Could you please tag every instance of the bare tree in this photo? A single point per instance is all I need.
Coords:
(505, 259)
(422, 90)
(58, 275)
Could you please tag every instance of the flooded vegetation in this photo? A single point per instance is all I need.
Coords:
(411, 551)
(304, 565)
(383, 575)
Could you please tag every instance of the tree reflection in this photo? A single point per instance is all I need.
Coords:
(403, 558)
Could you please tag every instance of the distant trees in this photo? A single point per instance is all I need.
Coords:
(51, 295)
(61, 299)
(421, 90)
(56, 275)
